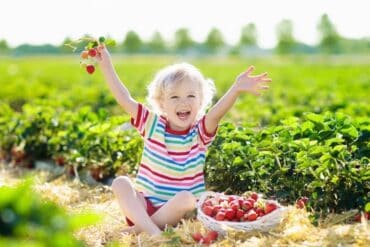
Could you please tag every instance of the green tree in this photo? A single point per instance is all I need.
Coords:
(329, 37)
(248, 35)
(183, 40)
(132, 42)
(214, 40)
(4, 48)
(157, 43)
(284, 33)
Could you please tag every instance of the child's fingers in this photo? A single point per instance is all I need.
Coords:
(101, 47)
(261, 75)
(249, 70)
(264, 87)
(266, 80)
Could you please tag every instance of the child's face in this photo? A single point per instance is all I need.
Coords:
(181, 104)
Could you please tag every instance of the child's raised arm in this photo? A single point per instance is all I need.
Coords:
(243, 83)
(118, 89)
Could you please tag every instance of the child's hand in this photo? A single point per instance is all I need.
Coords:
(103, 56)
(252, 84)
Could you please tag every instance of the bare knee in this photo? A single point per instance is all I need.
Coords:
(121, 183)
(187, 199)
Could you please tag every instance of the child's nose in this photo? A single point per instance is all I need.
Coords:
(184, 101)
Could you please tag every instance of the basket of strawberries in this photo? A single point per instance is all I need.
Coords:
(220, 212)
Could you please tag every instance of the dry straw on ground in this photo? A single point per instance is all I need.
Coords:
(294, 230)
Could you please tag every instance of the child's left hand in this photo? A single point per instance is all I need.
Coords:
(252, 84)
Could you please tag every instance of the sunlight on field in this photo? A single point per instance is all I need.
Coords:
(295, 228)
(306, 136)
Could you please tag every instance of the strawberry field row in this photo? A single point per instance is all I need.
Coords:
(322, 156)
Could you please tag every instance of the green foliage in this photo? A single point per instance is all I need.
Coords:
(4, 47)
(317, 156)
(28, 220)
(248, 35)
(81, 138)
(307, 136)
(183, 40)
(286, 41)
(214, 40)
(132, 42)
(157, 43)
(329, 40)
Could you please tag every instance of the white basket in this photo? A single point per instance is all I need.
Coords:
(264, 223)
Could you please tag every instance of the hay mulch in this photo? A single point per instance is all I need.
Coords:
(294, 230)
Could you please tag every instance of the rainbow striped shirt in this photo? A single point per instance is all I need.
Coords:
(172, 161)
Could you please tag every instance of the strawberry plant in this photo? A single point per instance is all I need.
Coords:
(317, 158)
(28, 220)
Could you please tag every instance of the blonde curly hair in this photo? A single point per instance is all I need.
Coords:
(173, 75)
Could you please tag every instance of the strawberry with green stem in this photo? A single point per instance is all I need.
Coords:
(90, 50)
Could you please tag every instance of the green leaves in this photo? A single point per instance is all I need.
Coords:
(315, 155)
(25, 216)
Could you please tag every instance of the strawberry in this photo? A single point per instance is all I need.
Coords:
(301, 202)
(230, 214)
(234, 205)
(247, 205)
(84, 54)
(240, 200)
(231, 198)
(197, 236)
(216, 209)
(220, 216)
(269, 207)
(251, 215)
(254, 195)
(92, 52)
(208, 210)
(252, 201)
(90, 68)
(239, 214)
(212, 235)
(260, 212)
(206, 240)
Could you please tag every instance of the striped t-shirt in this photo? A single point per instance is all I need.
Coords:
(172, 161)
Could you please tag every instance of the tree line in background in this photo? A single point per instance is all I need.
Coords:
(330, 42)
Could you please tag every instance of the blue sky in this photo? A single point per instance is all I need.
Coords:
(42, 21)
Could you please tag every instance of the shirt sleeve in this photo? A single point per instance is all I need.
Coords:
(205, 137)
(143, 120)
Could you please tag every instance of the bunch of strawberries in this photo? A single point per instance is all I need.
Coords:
(238, 208)
(90, 50)
(89, 53)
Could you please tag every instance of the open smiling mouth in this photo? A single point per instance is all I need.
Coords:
(183, 115)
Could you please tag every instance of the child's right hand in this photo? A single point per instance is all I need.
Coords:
(103, 57)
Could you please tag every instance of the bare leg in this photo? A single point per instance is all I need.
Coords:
(172, 212)
(133, 206)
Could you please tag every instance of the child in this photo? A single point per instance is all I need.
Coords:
(176, 135)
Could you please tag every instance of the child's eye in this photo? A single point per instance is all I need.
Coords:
(191, 96)
(174, 97)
